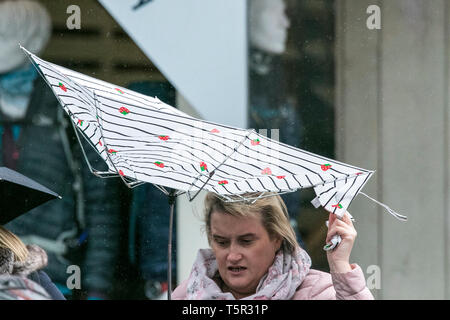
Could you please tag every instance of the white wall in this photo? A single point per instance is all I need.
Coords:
(199, 45)
(393, 116)
(190, 236)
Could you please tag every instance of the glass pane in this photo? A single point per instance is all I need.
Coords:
(291, 80)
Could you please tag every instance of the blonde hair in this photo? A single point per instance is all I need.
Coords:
(271, 209)
(11, 241)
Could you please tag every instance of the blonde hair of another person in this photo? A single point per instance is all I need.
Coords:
(271, 209)
(11, 241)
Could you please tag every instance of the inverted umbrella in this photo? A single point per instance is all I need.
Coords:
(20, 194)
(142, 139)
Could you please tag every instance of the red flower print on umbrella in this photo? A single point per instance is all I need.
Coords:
(337, 206)
(223, 182)
(281, 177)
(325, 167)
(124, 111)
(215, 130)
(164, 138)
(203, 166)
(112, 151)
(121, 173)
(80, 122)
(159, 164)
(266, 171)
(63, 87)
(255, 142)
(120, 91)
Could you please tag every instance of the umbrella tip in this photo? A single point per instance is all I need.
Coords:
(22, 48)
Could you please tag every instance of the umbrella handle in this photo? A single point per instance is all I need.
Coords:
(334, 242)
(336, 239)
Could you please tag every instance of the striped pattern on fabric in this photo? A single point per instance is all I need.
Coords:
(143, 139)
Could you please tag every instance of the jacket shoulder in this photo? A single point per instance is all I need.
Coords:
(316, 285)
(320, 285)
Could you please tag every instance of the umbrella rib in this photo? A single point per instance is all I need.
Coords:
(62, 103)
(91, 169)
(253, 199)
(162, 189)
(132, 184)
(212, 172)
(259, 197)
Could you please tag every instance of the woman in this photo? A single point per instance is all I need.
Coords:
(25, 261)
(254, 255)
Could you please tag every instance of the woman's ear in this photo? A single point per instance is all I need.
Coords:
(278, 243)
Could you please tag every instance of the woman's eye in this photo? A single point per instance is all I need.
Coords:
(221, 243)
(246, 241)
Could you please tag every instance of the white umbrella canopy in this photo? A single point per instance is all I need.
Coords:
(142, 139)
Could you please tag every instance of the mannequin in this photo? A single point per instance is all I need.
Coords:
(268, 32)
(17, 74)
(270, 107)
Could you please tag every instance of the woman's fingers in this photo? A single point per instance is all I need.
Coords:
(346, 219)
(339, 257)
(331, 219)
(342, 229)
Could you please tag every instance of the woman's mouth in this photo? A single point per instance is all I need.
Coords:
(236, 270)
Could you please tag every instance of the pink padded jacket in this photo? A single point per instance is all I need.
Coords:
(319, 285)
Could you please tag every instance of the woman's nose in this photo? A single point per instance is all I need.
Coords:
(234, 254)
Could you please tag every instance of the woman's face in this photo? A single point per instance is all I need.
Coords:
(243, 250)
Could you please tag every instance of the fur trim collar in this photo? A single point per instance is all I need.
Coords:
(37, 259)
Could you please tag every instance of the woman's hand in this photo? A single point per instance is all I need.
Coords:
(339, 257)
